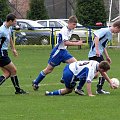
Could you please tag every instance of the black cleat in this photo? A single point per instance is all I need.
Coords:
(35, 87)
(102, 92)
(62, 81)
(21, 91)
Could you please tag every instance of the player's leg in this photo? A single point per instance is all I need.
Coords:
(68, 59)
(52, 62)
(59, 92)
(41, 76)
(69, 83)
(13, 72)
(79, 90)
(71, 60)
(6, 74)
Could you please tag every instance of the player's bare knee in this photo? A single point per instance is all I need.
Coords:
(14, 71)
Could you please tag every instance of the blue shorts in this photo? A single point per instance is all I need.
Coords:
(68, 78)
(4, 59)
(58, 55)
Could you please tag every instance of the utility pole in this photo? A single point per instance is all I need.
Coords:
(54, 9)
(66, 8)
(119, 17)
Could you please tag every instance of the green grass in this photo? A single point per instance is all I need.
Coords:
(37, 106)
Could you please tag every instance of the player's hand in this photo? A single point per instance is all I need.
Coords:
(97, 53)
(80, 42)
(113, 86)
(15, 52)
(109, 60)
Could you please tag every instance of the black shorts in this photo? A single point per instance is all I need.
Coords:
(98, 59)
(4, 59)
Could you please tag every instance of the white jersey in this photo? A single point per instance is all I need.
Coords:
(85, 69)
(64, 35)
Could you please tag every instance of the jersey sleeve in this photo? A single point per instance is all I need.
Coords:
(90, 76)
(100, 33)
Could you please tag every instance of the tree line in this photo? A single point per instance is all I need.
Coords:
(88, 12)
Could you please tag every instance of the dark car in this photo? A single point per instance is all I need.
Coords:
(35, 33)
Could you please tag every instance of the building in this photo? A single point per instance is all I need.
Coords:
(19, 7)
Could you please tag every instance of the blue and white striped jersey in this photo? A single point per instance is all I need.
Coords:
(104, 35)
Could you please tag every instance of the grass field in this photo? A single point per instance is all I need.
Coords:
(37, 106)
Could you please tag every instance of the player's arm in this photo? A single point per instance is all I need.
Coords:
(104, 74)
(89, 91)
(107, 56)
(73, 43)
(96, 41)
(13, 47)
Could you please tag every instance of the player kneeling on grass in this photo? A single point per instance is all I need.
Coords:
(82, 71)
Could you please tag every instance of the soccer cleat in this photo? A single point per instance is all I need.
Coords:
(46, 93)
(79, 92)
(62, 81)
(102, 92)
(21, 91)
(35, 86)
(2, 81)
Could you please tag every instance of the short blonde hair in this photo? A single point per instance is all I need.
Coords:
(72, 19)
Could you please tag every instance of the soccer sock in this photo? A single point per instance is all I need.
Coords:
(15, 82)
(56, 92)
(2, 79)
(40, 77)
(81, 84)
(100, 83)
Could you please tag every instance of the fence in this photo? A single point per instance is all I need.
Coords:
(48, 36)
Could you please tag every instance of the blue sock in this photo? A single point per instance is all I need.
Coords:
(56, 92)
(81, 84)
(40, 77)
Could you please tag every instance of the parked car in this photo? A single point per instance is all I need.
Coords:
(35, 33)
(59, 23)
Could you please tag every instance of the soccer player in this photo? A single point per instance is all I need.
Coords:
(82, 71)
(101, 38)
(6, 65)
(59, 53)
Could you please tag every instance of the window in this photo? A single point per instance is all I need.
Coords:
(44, 23)
(54, 24)
(23, 25)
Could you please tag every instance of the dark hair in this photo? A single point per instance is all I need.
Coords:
(104, 65)
(10, 16)
(72, 19)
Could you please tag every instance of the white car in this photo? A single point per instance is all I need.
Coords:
(78, 33)
(35, 33)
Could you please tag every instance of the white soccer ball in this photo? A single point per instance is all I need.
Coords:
(116, 82)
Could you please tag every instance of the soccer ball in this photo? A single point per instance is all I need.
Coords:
(115, 82)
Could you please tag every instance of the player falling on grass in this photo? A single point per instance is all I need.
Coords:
(59, 53)
(6, 65)
(82, 71)
(101, 39)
